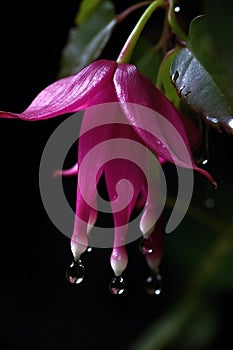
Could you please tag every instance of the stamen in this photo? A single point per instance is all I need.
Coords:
(154, 258)
(119, 260)
(79, 240)
(92, 220)
(67, 172)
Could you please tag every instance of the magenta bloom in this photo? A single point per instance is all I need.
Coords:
(104, 82)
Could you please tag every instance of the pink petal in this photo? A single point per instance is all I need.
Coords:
(70, 94)
(158, 131)
(116, 172)
(124, 181)
(92, 154)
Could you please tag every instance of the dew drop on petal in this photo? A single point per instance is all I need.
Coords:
(75, 272)
(154, 284)
(117, 285)
(146, 245)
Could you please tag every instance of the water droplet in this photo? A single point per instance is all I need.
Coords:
(181, 89)
(146, 245)
(204, 162)
(175, 76)
(75, 272)
(117, 285)
(177, 9)
(212, 119)
(230, 123)
(209, 203)
(154, 284)
(89, 249)
(187, 93)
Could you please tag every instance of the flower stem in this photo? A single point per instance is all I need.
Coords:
(162, 43)
(173, 22)
(127, 50)
(130, 9)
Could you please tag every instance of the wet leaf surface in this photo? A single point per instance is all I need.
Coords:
(203, 79)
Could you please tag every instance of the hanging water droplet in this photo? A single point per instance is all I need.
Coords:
(89, 249)
(154, 284)
(117, 285)
(75, 272)
(146, 245)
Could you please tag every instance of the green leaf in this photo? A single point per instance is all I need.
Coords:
(165, 331)
(146, 59)
(220, 26)
(220, 278)
(203, 79)
(164, 82)
(200, 250)
(86, 8)
(185, 249)
(86, 42)
(199, 332)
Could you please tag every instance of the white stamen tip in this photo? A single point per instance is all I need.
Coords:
(119, 260)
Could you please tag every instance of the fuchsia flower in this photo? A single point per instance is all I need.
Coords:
(104, 82)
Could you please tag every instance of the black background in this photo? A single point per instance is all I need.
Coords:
(39, 308)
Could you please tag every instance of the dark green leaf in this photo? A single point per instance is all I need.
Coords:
(146, 59)
(201, 249)
(164, 80)
(86, 8)
(199, 332)
(220, 278)
(86, 42)
(165, 332)
(220, 26)
(203, 79)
